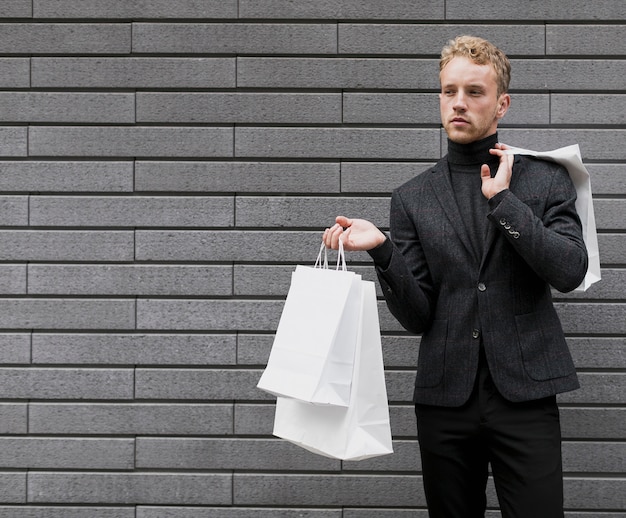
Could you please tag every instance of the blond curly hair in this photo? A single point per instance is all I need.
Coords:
(481, 52)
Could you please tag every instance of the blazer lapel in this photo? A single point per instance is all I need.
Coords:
(442, 187)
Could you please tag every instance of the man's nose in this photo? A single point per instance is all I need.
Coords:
(459, 103)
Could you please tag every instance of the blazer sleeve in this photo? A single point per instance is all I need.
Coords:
(404, 276)
(544, 227)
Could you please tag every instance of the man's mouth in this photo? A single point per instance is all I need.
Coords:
(459, 120)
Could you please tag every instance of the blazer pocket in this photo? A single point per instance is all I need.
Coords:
(431, 360)
(544, 350)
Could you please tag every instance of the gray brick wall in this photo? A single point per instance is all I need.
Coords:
(165, 164)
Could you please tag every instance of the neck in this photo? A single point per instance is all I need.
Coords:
(476, 152)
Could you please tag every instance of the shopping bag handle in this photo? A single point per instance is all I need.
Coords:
(323, 263)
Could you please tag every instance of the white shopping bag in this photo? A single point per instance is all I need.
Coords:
(569, 157)
(363, 429)
(313, 351)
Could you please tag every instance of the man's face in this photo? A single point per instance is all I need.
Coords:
(470, 106)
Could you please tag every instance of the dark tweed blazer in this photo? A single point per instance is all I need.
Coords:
(437, 284)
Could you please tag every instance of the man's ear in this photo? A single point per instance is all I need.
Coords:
(503, 104)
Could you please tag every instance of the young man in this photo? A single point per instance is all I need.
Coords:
(475, 244)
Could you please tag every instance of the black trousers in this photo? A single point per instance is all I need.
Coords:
(521, 442)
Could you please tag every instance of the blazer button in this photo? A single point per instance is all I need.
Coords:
(481, 286)
(475, 333)
(502, 221)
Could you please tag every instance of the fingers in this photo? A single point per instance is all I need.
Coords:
(343, 221)
(485, 173)
(332, 236)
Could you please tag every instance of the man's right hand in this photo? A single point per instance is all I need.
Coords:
(356, 234)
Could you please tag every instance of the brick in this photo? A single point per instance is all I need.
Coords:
(67, 512)
(67, 314)
(129, 280)
(593, 40)
(400, 385)
(348, 9)
(53, 245)
(13, 141)
(130, 488)
(595, 144)
(546, 10)
(229, 454)
(261, 280)
(239, 38)
(57, 38)
(391, 108)
(67, 107)
(257, 419)
(584, 318)
(241, 177)
(14, 72)
(586, 492)
(136, 72)
(606, 178)
(372, 177)
(598, 352)
(294, 108)
(613, 247)
(146, 9)
(124, 211)
(214, 315)
(253, 349)
(354, 73)
(357, 143)
(423, 39)
(14, 347)
(12, 279)
(598, 457)
(205, 384)
(348, 490)
(134, 349)
(43, 176)
(49, 383)
(207, 245)
(17, 9)
(609, 214)
(586, 109)
(305, 212)
(13, 487)
(610, 287)
(14, 210)
(567, 74)
(67, 453)
(13, 418)
(593, 422)
(131, 418)
(597, 388)
(130, 141)
(234, 512)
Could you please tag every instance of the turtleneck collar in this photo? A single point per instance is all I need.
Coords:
(473, 153)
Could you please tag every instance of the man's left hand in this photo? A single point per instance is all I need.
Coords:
(502, 179)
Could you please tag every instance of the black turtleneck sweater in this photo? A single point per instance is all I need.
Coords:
(465, 161)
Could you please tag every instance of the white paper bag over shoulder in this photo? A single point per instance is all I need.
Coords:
(313, 351)
(569, 157)
(363, 429)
